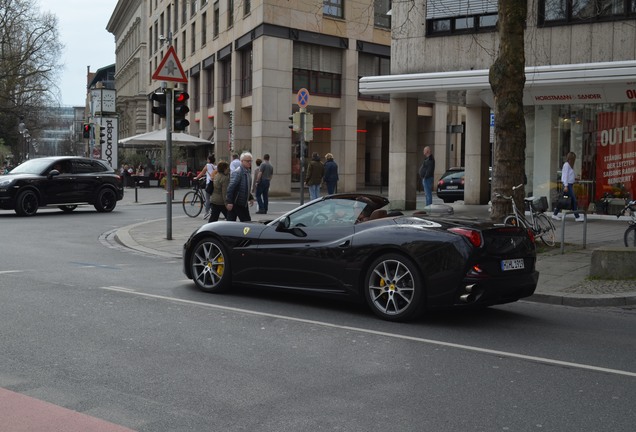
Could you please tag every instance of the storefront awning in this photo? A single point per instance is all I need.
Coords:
(609, 82)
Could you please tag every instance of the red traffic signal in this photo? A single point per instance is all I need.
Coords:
(180, 110)
(87, 130)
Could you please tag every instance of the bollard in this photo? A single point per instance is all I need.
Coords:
(136, 193)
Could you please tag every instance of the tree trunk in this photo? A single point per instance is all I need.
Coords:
(507, 80)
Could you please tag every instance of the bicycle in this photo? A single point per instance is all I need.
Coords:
(630, 232)
(194, 200)
(541, 226)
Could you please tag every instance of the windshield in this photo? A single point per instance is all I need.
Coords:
(33, 166)
(333, 212)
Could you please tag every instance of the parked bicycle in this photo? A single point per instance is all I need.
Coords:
(541, 225)
(630, 232)
(194, 200)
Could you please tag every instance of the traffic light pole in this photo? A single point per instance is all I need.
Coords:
(169, 185)
(302, 155)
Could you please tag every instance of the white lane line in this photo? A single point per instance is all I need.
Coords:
(543, 360)
(11, 271)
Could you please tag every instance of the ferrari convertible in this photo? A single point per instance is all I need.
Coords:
(351, 245)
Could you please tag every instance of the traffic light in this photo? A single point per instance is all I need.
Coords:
(295, 119)
(180, 110)
(309, 127)
(159, 109)
(100, 134)
(87, 131)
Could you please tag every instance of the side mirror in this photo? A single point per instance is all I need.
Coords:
(53, 173)
(284, 226)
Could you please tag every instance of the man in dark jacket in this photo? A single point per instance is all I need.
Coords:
(239, 191)
(315, 173)
(427, 172)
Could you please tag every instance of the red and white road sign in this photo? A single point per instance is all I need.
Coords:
(170, 68)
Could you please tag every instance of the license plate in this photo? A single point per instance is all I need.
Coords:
(452, 187)
(512, 264)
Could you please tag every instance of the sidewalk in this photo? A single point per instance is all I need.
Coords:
(563, 277)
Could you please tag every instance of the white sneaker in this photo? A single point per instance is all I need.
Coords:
(556, 217)
(579, 219)
(206, 216)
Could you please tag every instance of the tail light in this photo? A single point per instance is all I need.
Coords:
(531, 235)
(473, 236)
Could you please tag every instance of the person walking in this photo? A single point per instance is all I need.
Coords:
(208, 172)
(263, 181)
(236, 163)
(427, 172)
(331, 174)
(238, 196)
(568, 177)
(217, 199)
(315, 173)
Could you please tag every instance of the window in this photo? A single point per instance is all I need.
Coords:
(573, 11)
(246, 71)
(168, 18)
(194, 6)
(380, 9)
(215, 30)
(193, 40)
(247, 7)
(333, 8)
(209, 87)
(196, 90)
(184, 11)
(226, 79)
(318, 69)
(183, 45)
(230, 13)
(176, 14)
(204, 28)
(373, 65)
(156, 38)
(445, 17)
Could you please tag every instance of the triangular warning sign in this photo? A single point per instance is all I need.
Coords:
(170, 68)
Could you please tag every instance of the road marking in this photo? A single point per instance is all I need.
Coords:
(533, 359)
(11, 271)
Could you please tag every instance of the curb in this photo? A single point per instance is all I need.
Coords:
(584, 300)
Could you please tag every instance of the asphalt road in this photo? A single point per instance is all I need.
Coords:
(124, 337)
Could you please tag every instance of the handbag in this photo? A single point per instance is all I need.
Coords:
(564, 202)
(209, 188)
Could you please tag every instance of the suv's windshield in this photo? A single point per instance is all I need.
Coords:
(33, 166)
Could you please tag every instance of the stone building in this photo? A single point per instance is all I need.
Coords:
(245, 62)
(580, 94)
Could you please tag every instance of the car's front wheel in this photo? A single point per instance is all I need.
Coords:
(210, 267)
(27, 203)
(106, 200)
(393, 288)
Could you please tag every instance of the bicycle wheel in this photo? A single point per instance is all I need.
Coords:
(630, 236)
(192, 204)
(547, 232)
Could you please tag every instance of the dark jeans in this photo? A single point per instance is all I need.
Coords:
(262, 195)
(216, 210)
(331, 186)
(240, 212)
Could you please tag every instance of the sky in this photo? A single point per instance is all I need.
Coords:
(82, 31)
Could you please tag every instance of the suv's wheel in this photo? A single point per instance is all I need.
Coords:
(106, 200)
(27, 203)
(67, 208)
(393, 288)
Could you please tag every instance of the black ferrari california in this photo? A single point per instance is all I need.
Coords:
(349, 244)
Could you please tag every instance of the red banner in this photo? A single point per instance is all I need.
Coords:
(616, 154)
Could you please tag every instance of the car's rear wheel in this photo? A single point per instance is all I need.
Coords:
(106, 200)
(67, 208)
(210, 267)
(393, 288)
(27, 203)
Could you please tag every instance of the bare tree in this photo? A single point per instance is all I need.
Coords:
(29, 53)
(507, 80)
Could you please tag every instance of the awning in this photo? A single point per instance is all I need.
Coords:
(158, 138)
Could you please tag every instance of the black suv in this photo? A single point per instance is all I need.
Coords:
(63, 181)
(450, 187)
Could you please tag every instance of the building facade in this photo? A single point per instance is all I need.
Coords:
(246, 61)
(580, 94)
